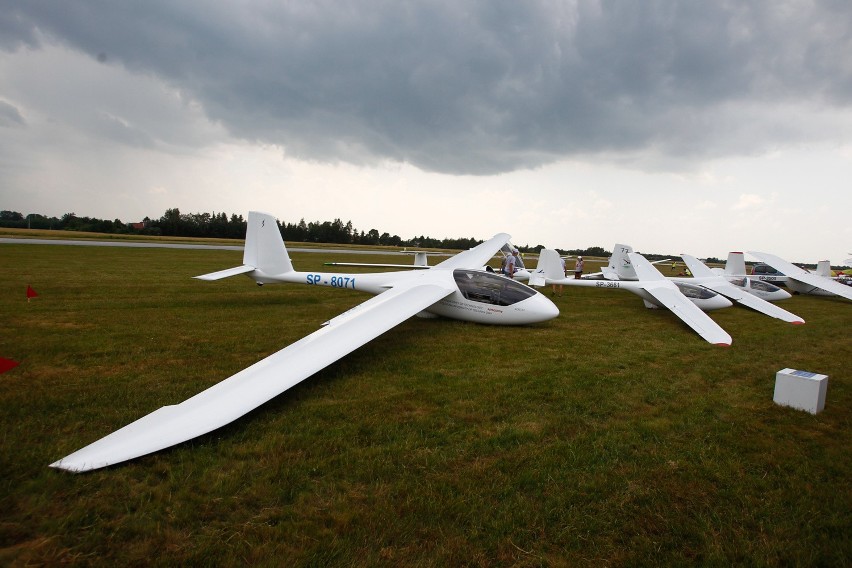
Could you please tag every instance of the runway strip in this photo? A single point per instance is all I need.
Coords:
(140, 244)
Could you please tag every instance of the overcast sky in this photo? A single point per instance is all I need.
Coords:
(674, 126)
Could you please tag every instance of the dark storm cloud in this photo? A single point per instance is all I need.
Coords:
(475, 87)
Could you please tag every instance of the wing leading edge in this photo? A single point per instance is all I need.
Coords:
(477, 256)
(239, 394)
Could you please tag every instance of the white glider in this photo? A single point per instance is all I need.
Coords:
(620, 268)
(802, 281)
(618, 265)
(656, 291)
(420, 260)
(760, 286)
(453, 288)
(735, 287)
(706, 278)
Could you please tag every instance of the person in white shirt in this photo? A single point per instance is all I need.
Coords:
(511, 262)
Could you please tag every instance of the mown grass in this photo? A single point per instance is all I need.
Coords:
(611, 435)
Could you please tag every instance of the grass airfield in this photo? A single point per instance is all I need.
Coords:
(612, 435)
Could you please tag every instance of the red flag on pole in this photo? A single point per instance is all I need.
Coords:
(31, 293)
(7, 364)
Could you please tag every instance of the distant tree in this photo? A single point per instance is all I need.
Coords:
(12, 219)
(597, 251)
(170, 222)
(237, 227)
(68, 222)
(303, 230)
(372, 237)
(11, 216)
(36, 221)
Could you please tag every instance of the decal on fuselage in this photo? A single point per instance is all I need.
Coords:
(333, 281)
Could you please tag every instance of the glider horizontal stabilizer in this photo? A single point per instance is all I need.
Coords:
(226, 273)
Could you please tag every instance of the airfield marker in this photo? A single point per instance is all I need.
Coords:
(7, 365)
(31, 293)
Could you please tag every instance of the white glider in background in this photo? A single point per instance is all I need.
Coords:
(686, 301)
(802, 281)
(620, 268)
(706, 278)
(454, 288)
(421, 260)
(762, 287)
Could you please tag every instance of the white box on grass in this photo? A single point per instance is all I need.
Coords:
(802, 390)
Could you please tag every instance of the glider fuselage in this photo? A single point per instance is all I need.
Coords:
(756, 287)
(480, 296)
(704, 299)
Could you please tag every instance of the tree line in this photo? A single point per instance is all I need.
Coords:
(173, 223)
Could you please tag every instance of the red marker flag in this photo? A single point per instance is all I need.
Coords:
(7, 364)
(31, 293)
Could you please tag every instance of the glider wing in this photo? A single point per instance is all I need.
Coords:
(255, 385)
(477, 256)
(369, 265)
(708, 279)
(668, 294)
(793, 271)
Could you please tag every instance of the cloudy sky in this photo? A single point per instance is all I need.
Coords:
(674, 126)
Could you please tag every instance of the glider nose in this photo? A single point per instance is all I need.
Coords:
(717, 302)
(542, 308)
(779, 294)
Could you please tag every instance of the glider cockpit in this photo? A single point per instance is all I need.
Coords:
(490, 288)
(694, 292)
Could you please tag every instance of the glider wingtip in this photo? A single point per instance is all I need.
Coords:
(64, 466)
(75, 466)
(723, 344)
(797, 322)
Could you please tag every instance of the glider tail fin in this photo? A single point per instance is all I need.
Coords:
(736, 264)
(264, 253)
(619, 266)
(823, 268)
(549, 265)
(264, 249)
